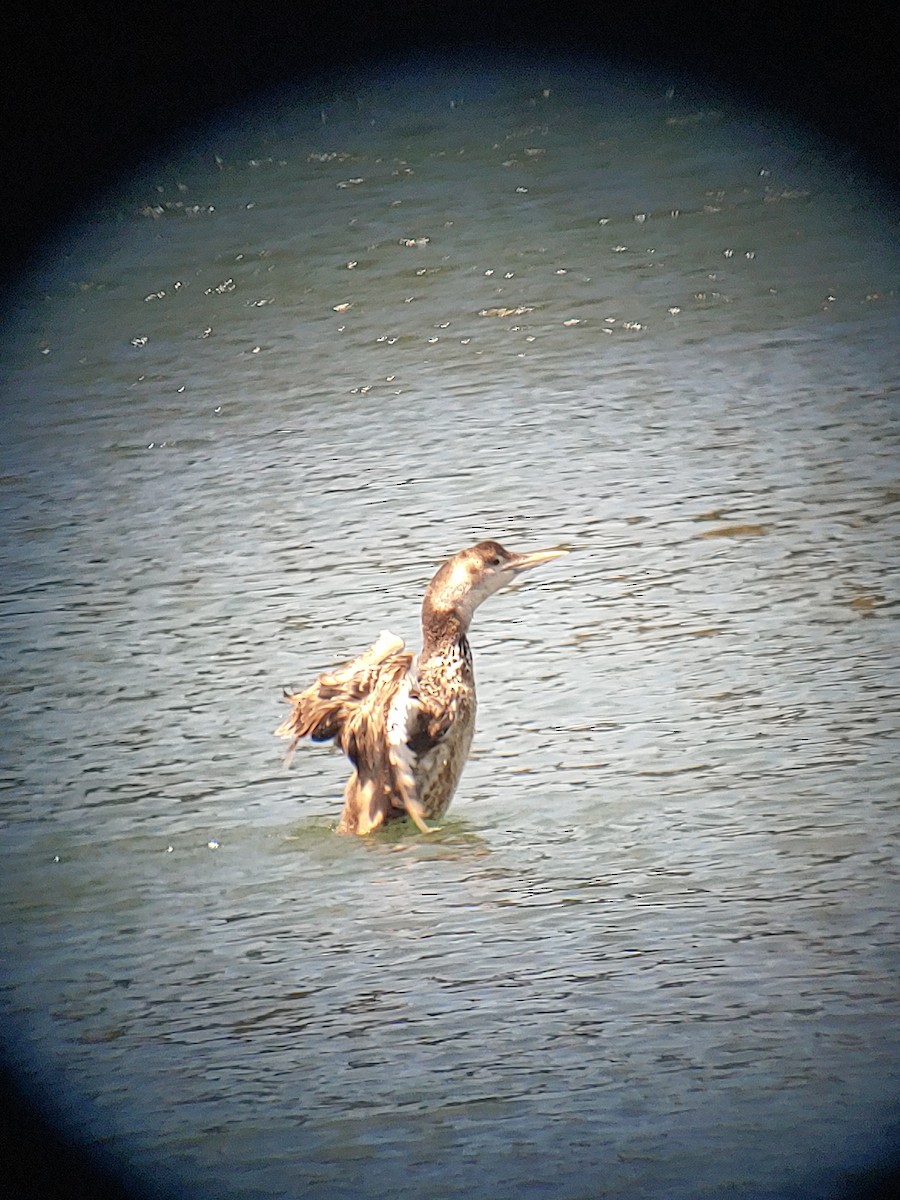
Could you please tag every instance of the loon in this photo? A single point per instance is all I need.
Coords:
(406, 721)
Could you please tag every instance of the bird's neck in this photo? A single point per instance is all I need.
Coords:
(443, 631)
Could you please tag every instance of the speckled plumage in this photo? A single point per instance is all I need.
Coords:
(404, 721)
(445, 683)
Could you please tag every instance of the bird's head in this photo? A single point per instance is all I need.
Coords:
(468, 578)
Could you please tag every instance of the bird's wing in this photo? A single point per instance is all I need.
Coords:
(345, 703)
(429, 721)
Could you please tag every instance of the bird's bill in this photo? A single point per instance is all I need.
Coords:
(524, 562)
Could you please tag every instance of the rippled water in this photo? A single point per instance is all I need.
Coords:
(249, 405)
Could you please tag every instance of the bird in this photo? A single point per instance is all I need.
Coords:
(406, 720)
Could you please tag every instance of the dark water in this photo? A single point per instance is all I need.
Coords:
(654, 949)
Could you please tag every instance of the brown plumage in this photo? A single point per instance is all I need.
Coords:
(406, 721)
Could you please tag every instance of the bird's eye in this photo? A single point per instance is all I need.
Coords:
(494, 562)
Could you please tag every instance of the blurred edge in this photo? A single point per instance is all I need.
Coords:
(89, 92)
(89, 95)
(38, 1161)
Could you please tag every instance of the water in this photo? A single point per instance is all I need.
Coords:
(653, 950)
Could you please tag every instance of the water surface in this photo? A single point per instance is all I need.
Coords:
(250, 404)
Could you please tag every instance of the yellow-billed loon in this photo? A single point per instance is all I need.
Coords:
(406, 721)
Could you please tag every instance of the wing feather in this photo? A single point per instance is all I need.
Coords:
(343, 704)
(372, 709)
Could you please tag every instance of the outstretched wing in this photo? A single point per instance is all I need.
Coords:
(384, 719)
(344, 704)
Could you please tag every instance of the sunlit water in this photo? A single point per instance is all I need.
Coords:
(250, 404)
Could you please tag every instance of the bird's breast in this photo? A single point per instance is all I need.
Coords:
(437, 771)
